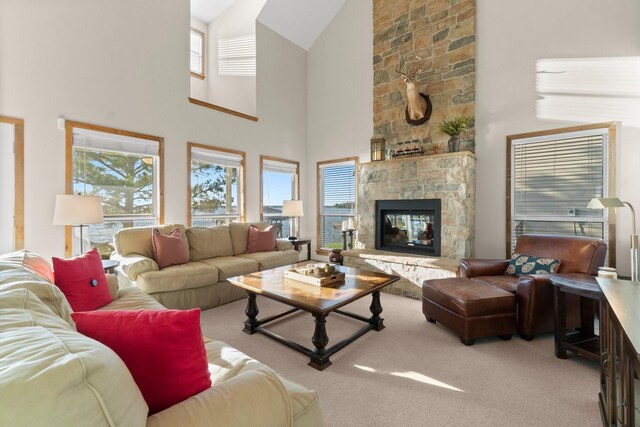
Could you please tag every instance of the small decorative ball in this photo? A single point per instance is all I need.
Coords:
(94, 282)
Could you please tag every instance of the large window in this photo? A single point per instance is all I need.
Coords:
(336, 200)
(196, 61)
(279, 181)
(124, 169)
(216, 185)
(553, 175)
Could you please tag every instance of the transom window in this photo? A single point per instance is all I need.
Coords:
(279, 182)
(237, 56)
(124, 169)
(216, 185)
(553, 175)
(196, 61)
(336, 200)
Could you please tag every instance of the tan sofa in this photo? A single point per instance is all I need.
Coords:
(54, 376)
(215, 254)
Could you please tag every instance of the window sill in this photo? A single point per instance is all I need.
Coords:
(222, 109)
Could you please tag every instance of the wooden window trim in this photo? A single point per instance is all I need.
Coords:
(18, 195)
(204, 54)
(611, 128)
(69, 126)
(243, 178)
(319, 250)
(297, 183)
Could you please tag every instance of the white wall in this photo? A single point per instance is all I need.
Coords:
(511, 37)
(236, 93)
(200, 87)
(340, 90)
(129, 70)
(7, 193)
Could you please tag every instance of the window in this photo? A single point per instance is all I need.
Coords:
(336, 200)
(125, 170)
(196, 62)
(279, 181)
(237, 56)
(216, 185)
(553, 175)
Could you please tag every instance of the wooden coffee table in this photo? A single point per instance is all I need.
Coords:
(319, 301)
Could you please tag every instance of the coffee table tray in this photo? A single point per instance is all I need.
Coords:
(317, 281)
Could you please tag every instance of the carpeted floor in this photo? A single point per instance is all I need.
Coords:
(414, 373)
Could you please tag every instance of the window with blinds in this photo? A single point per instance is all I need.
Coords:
(124, 172)
(217, 188)
(237, 56)
(553, 178)
(337, 201)
(279, 183)
(196, 61)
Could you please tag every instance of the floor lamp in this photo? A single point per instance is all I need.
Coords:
(612, 203)
(293, 209)
(78, 211)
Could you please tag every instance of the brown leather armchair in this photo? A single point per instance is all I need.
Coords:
(534, 293)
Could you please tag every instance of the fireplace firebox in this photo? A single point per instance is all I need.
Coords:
(410, 226)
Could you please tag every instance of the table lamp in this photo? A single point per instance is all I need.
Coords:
(293, 209)
(612, 203)
(78, 211)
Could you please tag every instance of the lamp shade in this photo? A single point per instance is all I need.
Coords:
(77, 210)
(605, 203)
(292, 208)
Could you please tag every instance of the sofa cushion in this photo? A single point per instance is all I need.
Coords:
(163, 350)
(530, 264)
(169, 249)
(31, 261)
(468, 297)
(133, 298)
(94, 386)
(508, 283)
(137, 240)
(240, 235)
(178, 277)
(230, 266)
(210, 242)
(274, 259)
(82, 280)
(261, 240)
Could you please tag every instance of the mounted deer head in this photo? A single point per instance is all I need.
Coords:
(418, 108)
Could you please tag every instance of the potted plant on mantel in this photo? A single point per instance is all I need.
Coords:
(454, 126)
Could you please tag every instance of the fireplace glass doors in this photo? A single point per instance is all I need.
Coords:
(411, 226)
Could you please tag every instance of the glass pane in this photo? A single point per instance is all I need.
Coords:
(276, 187)
(101, 235)
(214, 189)
(124, 181)
(409, 229)
(331, 231)
(212, 222)
(282, 224)
(563, 228)
(339, 189)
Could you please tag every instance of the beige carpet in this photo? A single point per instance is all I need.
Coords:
(414, 373)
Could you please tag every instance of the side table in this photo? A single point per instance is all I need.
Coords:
(584, 342)
(297, 245)
(109, 265)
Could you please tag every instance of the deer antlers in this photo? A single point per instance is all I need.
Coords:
(408, 77)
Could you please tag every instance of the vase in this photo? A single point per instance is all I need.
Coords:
(454, 143)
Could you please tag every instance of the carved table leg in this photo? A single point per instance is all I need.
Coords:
(319, 358)
(252, 312)
(376, 309)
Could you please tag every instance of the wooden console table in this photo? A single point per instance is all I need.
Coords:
(619, 396)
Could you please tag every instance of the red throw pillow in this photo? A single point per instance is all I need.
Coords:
(169, 249)
(163, 350)
(82, 281)
(261, 241)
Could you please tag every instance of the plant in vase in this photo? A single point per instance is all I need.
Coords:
(454, 126)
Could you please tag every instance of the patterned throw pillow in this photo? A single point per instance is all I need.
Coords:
(528, 264)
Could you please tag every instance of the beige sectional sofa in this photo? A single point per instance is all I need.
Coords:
(54, 376)
(215, 254)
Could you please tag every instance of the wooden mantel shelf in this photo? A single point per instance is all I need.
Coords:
(424, 157)
(222, 109)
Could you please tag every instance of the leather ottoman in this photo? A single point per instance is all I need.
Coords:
(471, 309)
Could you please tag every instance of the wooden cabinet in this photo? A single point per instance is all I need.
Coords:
(619, 396)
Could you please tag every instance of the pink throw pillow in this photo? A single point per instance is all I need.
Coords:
(261, 241)
(82, 281)
(169, 249)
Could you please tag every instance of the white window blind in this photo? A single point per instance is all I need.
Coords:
(212, 157)
(279, 167)
(237, 56)
(102, 141)
(196, 61)
(337, 201)
(553, 178)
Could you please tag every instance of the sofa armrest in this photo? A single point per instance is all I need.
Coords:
(251, 398)
(535, 304)
(112, 281)
(283, 244)
(482, 267)
(133, 265)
